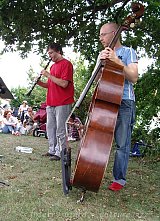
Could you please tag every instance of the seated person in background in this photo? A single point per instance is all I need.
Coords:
(10, 123)
(29, 121)
(22, 110)
(73, 128)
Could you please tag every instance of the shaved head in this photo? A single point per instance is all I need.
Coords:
(107, 33)
(112, 26)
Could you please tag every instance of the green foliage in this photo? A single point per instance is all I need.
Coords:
(19, 96)
(147, 92)
(58, 20)
(81, 77)
(148, 95)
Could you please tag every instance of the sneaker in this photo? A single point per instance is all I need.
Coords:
(54, 158)
(47, 155)
(115, 186)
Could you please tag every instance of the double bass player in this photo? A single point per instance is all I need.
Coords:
(126, 57)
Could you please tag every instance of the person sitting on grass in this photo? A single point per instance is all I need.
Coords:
(22, 110)
(29, 121)
(73, 128)
(10, 123)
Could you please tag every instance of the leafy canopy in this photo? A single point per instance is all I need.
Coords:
(26, 25)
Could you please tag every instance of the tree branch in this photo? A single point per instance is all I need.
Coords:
(117, 15)
(93, 8)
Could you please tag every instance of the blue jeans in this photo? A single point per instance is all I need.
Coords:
(123, 131)
(9, 129)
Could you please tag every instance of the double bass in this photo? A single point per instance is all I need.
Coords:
(98, 134)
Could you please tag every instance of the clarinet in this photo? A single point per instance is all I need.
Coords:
(29, 92)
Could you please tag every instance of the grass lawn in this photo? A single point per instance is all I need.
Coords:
(35, 188)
